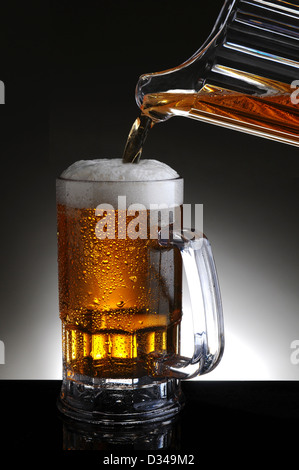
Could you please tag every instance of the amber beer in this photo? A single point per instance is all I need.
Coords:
(275, 116)
(120, 298)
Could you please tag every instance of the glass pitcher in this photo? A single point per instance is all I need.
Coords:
(244, 77)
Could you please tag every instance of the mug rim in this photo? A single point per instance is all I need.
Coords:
(60, 178)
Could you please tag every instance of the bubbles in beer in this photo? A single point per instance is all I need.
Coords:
(119, 299)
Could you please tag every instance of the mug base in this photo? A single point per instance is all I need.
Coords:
(124, 402)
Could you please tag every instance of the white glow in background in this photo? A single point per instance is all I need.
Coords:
(260, 324)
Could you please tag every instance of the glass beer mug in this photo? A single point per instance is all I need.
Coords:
(131, 330)
(244, 77)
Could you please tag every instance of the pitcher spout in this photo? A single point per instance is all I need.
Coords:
(188, 77)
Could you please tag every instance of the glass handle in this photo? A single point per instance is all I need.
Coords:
(202, 330)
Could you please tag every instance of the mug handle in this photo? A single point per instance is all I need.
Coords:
(202, 329)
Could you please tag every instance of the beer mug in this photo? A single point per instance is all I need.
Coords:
(131, 330)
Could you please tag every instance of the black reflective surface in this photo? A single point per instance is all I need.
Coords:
(222, 415)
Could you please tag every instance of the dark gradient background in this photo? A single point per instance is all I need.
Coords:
(70, 71)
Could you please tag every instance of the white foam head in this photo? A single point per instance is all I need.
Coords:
(114, 169)
(88, 183)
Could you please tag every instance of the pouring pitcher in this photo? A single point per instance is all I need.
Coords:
(244, 77)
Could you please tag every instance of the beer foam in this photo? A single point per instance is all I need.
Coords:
(114, 169)
(89, 183)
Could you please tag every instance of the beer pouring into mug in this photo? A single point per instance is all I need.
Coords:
(129, 336)
(128, 339)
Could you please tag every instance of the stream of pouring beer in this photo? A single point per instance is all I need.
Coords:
(136, 139)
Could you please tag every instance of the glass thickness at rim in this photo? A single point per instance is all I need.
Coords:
(60, 178)
(85, 193)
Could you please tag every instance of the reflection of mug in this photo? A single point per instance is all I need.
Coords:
(87, 436)
(125, 340)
